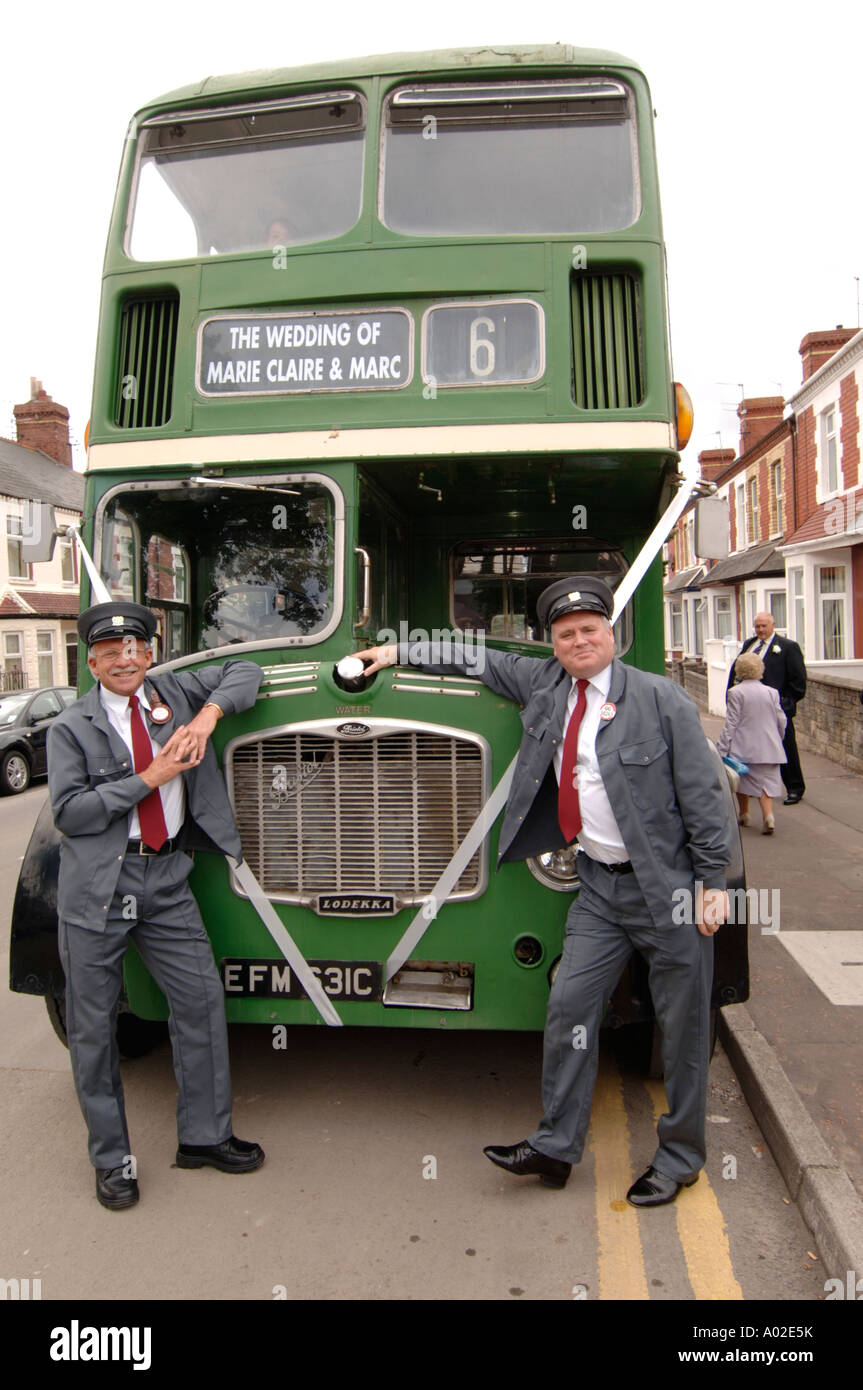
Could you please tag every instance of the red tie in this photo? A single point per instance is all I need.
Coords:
(568, 812)
(154, 831)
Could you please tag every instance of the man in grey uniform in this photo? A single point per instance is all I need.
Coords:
(616, 759)
(134, 782)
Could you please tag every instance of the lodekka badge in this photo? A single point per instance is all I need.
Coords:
(608, 711)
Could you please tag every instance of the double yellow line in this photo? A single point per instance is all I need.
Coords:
(700, 1226)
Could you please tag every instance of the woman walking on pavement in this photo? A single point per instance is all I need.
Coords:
(754, 725)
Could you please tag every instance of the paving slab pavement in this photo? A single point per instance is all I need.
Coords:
(798, 1054)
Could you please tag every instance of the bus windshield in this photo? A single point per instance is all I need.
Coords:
(248, 179)
(529, 158)
(223, 562)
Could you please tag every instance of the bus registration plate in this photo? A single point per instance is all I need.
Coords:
(274, 979)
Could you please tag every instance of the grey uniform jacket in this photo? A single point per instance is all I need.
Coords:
(661, 776)
(93, 786)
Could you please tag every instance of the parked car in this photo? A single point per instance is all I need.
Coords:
(25, 718)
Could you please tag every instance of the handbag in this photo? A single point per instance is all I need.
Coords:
(736, 765)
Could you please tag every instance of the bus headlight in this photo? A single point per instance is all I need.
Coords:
(556, 869)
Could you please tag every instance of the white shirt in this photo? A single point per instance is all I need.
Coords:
(600, 835)
(172, 793)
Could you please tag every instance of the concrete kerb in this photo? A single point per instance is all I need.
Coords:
(822, 1190)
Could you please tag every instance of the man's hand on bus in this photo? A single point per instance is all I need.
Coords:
(201, 727)
(711, 909)
(379, 657)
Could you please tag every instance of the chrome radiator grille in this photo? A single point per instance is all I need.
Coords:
(385, 814)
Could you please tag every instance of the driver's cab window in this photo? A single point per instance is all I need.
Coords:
(223, 561)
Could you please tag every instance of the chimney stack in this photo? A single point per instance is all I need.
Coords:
(712, 462)
(758, 415)
(818, 347)
(43, 424)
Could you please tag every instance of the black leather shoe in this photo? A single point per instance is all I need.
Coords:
(233, 1156)
(654, 1189)
(792, 798)
(523, 1159)
(114, 1191)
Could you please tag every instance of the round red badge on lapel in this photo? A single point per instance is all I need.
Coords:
(159, 714)
(608, 711)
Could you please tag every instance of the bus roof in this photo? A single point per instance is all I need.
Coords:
(387, 64)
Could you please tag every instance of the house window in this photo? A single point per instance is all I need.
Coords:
(71, 658)
(68, 562)
(829, 453)
(831, 597)
(777, 520)
(13, 662)
(18, 567)
(45, 657)
(778, 606)
(722, 619)
(700, 610)
(740, 517)
(677, 626)
(752, 511)
(751, 609)
(798, 609)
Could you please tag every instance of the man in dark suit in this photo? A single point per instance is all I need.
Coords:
(134, 782)
(785, 670)
(615, 759)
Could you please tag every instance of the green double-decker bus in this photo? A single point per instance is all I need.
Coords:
(382, 352)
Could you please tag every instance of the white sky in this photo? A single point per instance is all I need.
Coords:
(758, 133)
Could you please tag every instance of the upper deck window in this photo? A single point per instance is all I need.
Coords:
(279, 173)
(525, 158)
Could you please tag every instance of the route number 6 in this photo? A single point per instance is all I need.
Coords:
(480, 345)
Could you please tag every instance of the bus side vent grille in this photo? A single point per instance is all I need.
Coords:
(319, 814)
(608, 371)
(145, 380)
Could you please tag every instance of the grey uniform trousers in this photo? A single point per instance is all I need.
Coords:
(606, 921)
(153, 907)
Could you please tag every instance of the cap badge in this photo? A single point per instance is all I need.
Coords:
(573, 598)
(117, 619)
(608, 711)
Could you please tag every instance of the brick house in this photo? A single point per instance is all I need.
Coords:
(823, 550)
(707, 602)
(38, 602)
(795, 495)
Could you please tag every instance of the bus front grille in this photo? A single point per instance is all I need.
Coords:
(323, 813)
(606, 341)
(145, 377)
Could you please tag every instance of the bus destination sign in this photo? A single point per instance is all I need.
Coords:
(274, 354)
